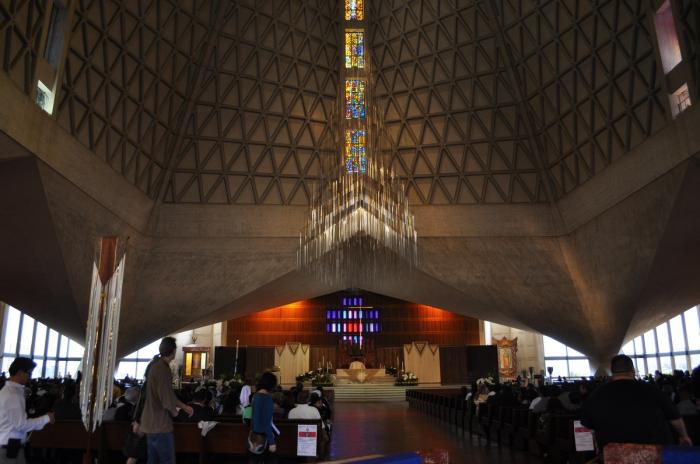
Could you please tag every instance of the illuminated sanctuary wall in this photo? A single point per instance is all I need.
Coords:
(398, 322)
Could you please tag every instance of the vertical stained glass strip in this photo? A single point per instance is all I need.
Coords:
(354, 99)
(355, 154)
(354, 49)
(354, 10)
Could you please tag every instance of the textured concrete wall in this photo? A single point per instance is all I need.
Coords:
(578, 270)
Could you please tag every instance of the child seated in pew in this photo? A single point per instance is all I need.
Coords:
(248, 411)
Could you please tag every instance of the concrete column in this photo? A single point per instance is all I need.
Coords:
(600, 365)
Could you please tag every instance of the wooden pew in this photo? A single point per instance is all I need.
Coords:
(512, 431)
(227, 438)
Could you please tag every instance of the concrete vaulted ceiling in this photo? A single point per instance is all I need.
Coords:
(552, 189)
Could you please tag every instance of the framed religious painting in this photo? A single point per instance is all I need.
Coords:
(507, 359)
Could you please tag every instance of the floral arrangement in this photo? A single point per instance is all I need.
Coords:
(317, 377)
(391, 371)
(306, 376)
(322, 379)
(406, 378)
(488, 381)
(223, 382)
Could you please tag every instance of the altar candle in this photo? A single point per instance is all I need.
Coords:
(235, 366)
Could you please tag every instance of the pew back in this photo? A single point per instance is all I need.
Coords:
(225, 438)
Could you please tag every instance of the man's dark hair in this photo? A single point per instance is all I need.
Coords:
(200, 396)
(68, 391)
(314, 398)
(21, 364)
(621, 364)
(167, 346)
(267, 381)
(302, 397)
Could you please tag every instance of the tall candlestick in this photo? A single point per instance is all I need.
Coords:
(235, 366)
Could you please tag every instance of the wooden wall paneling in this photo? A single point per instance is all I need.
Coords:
(400, 322)
(387, 356)
(482, 361)
(258, 360)
(320, 353)
(453, 365)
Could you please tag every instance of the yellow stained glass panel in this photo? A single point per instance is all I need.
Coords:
(355, 158)
(354, 10)
(354, 49)
(354, 99)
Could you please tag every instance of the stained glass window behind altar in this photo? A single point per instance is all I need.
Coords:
(354, 49)
(355, 157)
(354, 99)
(354, 10)
(352, 320)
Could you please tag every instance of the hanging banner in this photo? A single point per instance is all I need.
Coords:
(307, 438)
(101, 334)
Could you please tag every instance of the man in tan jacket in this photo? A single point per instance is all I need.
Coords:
(161, 405)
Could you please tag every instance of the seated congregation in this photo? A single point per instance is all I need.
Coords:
(202, 421)
(660, 410)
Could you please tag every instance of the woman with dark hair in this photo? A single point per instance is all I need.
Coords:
(261, 436)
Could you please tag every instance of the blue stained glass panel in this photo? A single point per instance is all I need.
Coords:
(354, 99)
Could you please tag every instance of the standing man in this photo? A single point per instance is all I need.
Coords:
(629, 411)
(161, 406)
(14, 424)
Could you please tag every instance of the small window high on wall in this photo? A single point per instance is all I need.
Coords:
(679, 100)
(667, 38)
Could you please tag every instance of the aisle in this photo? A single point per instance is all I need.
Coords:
(369, 428)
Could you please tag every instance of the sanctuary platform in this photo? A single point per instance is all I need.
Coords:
(376, 392)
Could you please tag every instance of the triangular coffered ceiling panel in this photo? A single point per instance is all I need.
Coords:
(513, 101)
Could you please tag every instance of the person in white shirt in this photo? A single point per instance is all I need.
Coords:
(244, 397)
(14, 424)
(540, 403)
(305, 411)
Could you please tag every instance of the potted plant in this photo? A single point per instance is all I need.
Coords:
(406, 379)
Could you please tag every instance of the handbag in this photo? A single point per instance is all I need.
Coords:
(135, 446)
(257, 442)
(13, 447)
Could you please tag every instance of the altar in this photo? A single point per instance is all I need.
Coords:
(357, 373)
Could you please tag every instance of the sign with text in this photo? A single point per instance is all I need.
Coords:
(307, 436)
(583, 437)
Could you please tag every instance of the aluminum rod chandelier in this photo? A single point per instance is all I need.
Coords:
(359, 224)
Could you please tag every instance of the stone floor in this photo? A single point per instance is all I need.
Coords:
(381, 428)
